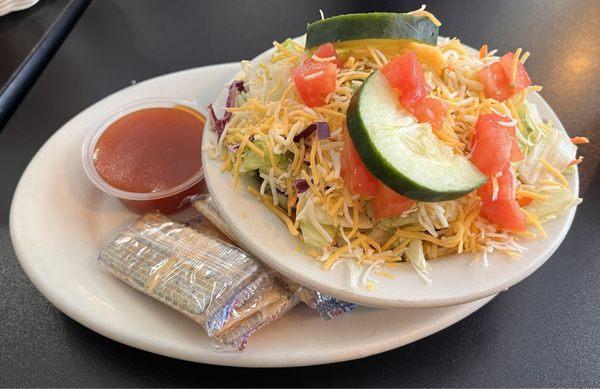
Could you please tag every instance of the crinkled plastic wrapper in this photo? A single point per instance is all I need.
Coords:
(209, 280)
(328, 307)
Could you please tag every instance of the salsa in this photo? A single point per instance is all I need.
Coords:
(152, 150)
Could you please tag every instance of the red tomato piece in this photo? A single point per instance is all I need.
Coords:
(515, 151)
(504, 210)
(430, 111)
(314, 81)
(505, 214)
(388, 203)
(492, 144)
(327, 51)
(496, 84)
(506, 187)
(496, 78)
(522, 79)
(356, 176)
(405, 74)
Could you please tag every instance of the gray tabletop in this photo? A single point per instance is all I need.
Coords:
(542, 332)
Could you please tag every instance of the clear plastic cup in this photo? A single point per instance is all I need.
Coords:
(166, 201)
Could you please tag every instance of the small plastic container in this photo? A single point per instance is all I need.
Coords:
(166, 201)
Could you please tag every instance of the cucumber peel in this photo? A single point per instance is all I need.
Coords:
(403, 154)
(376, 25)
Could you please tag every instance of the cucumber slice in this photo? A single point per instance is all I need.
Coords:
(377, 25)
(403, 154)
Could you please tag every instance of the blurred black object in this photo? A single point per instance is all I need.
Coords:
(27, 74)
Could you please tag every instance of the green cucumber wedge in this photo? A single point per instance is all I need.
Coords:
(403, 154)
(377, 25)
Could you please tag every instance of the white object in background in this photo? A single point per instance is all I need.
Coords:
(59, 221)
(8, 6)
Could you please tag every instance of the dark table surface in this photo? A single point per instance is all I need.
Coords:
(544, 331)
(20, 31)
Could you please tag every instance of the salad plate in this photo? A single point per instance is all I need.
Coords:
(59, 222)
(455, 279)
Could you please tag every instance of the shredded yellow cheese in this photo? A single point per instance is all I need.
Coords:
(554, 172)
(534, 221)
(531, 195)
(337, 253)
(268, 201)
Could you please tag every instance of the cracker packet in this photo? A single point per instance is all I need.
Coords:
(187, 267)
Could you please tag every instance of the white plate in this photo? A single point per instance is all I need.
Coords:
(59, 221)
(456, 279)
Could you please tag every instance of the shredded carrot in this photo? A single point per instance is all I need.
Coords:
(576, 161)
(483, 51)
(523, 201)
(580, 140)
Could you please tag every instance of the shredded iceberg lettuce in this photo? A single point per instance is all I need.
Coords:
(544, 142)
(559, 200)
(313, 237)
(414, 253)
(252, 161)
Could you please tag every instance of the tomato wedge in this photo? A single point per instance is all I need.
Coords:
(494, 144)
(522, 79)
(515, 152)
(505, 214)
(314, 81)
(388, 203)
(496, 78)
(430, 111)
(506, 186)
(356, 176)
(327, 51)
(405, 74)
(496, 84)
(504, 209)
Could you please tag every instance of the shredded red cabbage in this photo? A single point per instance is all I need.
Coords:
(219, 124)
(322, 129)
(301, 186)
(306, 132)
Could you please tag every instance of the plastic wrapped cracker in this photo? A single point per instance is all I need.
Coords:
(272, 301)
(328, 307)
(209, 280)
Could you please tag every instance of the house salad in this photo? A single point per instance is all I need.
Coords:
(378, 142)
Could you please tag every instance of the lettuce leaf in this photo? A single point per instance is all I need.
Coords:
(543, 142)
(312, 236)
(559, 201)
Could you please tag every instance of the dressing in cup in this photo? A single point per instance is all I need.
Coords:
(148, 155)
